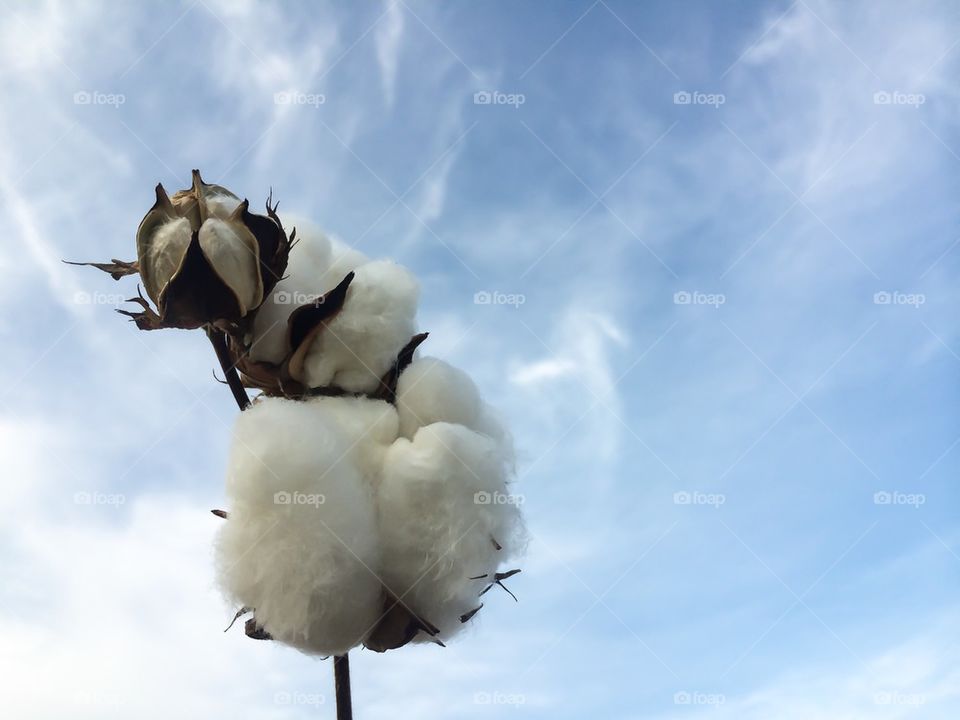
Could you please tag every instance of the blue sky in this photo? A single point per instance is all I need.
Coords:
(732, 378)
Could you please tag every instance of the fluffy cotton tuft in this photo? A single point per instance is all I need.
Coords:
(305, 280)
(415, 495)
(431, 390)
(443, 512)
(370, 428)
(300, 545)
(361, 342)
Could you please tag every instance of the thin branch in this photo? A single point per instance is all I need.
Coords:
(341, 682)
(219, 341)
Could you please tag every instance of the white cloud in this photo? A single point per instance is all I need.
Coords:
(916, 678)
(389, 36)
(574, 388)
(118, 618)
(62, 282)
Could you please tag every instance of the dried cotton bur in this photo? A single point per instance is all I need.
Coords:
(367, 490)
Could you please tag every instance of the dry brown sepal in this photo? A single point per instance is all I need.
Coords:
(398, 625)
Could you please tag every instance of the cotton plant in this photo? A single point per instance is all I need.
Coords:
(367, 488)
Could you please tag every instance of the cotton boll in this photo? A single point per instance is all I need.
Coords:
(305, 280)
(301, 535)
(490, 424)
(431, 390)
(370, 427)
(317, 264)
(360, 344)
(343, 259)
(442, 503)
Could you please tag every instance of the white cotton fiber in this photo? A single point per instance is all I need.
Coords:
(369, 427)
(343, 259)
(431, 390)
(222, 205)
(443, 504)
(300, 545)
(303, 283)
(165, 253)
(415, 499)
(360, 344)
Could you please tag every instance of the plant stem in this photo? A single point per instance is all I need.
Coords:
(341, 682)
(219, 341)
(341, 663)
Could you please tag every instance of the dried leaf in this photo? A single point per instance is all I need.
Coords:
(497, 578)
(242, 611)
(467, 616)
(116, 268)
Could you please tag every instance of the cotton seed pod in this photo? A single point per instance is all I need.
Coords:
(204, 258)
(196, 276)
(215, 201)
